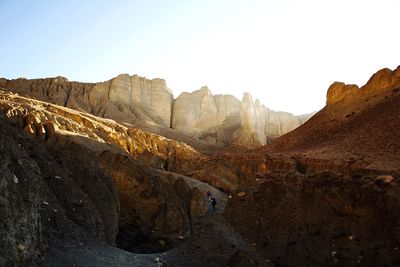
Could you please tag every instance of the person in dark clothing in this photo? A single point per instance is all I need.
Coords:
(213, 203)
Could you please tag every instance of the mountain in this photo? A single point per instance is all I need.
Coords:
(149, 104)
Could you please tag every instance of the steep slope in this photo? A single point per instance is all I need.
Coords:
(356, 123)
(328, 193)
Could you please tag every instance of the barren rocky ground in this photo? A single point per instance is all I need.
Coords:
(86, 187)
(79, 190)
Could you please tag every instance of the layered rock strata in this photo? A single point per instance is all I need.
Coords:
(220, 119)
(224, 119)
(97, 175)
(124, 98)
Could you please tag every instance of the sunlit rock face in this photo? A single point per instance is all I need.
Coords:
(278, 123)
(225, 119)
(124, 98)
(217, 119)
(339, 91)
(252, 121)
(260, 124)
(384, 79)
(127, 93)
(203, 115)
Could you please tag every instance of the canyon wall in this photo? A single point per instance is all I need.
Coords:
(124, 98)
(217, 119)
(224, 119)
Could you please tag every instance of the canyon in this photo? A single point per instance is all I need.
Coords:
(120, 170)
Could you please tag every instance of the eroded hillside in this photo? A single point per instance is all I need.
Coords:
(327, 193)
(71, 177)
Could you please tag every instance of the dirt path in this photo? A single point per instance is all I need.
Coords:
(213, 243)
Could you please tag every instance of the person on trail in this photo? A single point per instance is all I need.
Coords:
(213, 203)
(209, 195)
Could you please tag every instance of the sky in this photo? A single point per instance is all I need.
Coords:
(286, 53)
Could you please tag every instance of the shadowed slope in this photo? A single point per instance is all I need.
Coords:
(327, 193)
(362, 124)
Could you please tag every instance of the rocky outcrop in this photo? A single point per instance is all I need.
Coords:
(205, 116)
(362, 125)
(259, 124)
(216, 119)
(339, 91)
(252, 121)
(381, 81)
(20, 204)
(124, 98)
(224, 119)
(48, 196)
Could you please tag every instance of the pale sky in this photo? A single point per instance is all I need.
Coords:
(284, 52)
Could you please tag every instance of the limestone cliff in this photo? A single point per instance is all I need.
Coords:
(131, 94)
(124, 98)
(216, 119)
(225, 119)
(203, 115)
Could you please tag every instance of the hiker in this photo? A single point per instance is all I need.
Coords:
(209, 196)
(213, 203)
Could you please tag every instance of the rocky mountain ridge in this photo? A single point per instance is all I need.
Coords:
(217, 119)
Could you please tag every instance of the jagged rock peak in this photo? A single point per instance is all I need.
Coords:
(247, 97)
(339, 90)
(205, 90)
(384, 79)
